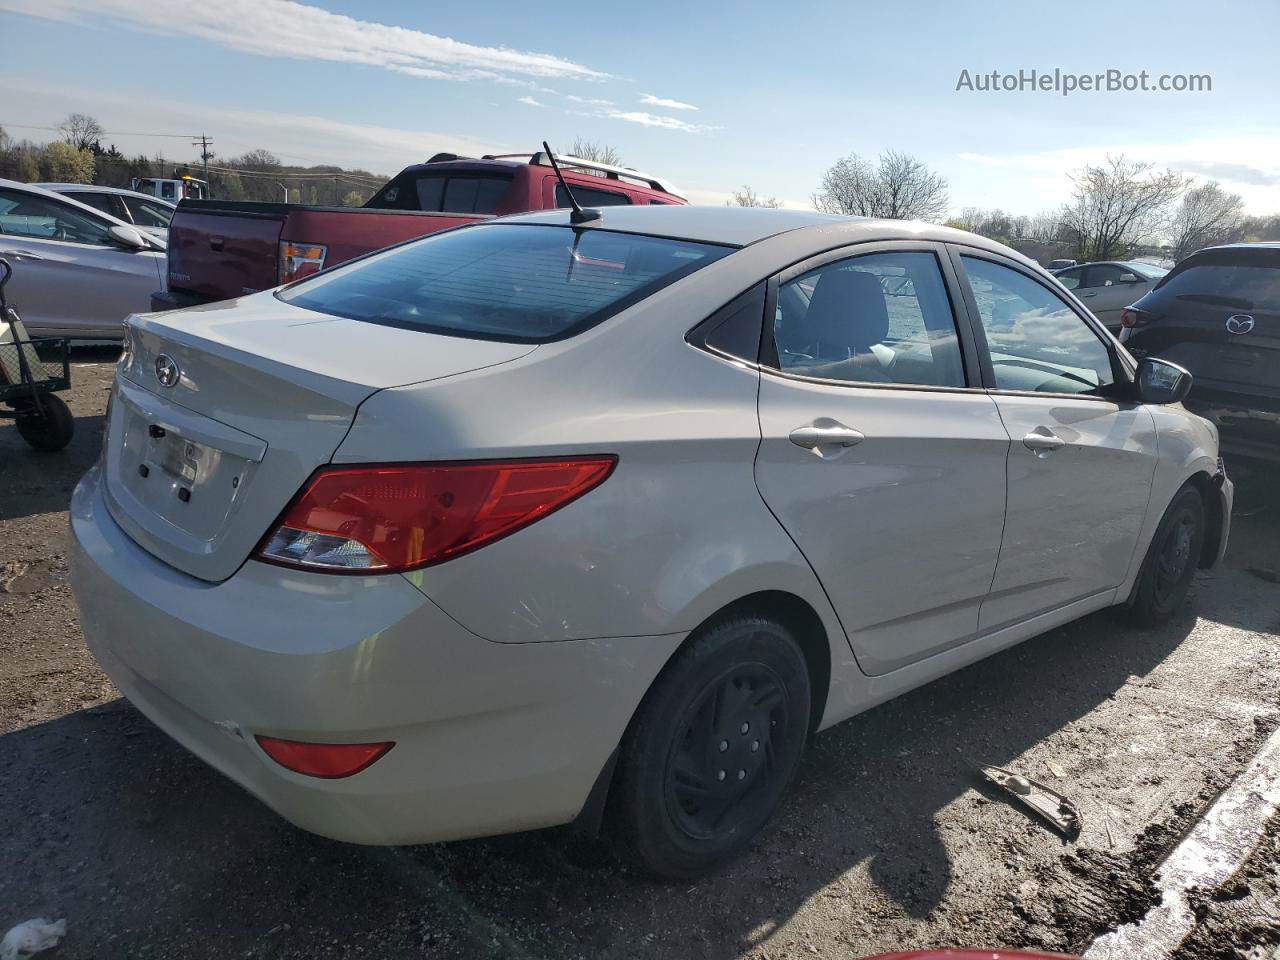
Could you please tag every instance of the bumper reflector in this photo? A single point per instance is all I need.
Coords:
(328, 760)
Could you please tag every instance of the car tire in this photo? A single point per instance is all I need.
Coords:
(51, 432)
(1171, 561)
(712, 749)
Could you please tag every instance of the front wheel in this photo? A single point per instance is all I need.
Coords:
(712, 749)
(1171, 561)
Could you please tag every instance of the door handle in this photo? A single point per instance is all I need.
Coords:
(1042, 440)
(838, 435)
(21, 254)
(1086, 296)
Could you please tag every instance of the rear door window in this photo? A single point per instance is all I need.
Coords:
(527, 283)
(877, 318)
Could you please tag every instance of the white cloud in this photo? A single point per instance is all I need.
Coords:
(653, 120)
(529, 101)
(653, 101)
(1048, 170)
(295, 138)
(590, 101)
(284, 28)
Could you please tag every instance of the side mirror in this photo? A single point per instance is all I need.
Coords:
(127, 237)
(1159, 381)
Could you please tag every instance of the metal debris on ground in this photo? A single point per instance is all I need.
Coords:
(1055, 768)
(1052, 806)
(32, 936)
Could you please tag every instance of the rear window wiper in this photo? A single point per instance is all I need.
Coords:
(1217, 301)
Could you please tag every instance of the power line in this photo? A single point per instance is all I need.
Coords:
(105, 133)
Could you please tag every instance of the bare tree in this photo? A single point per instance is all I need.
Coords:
(899, 187)
(747, 197)
(81, 130)
(257, 160)
(1207, 214)
(1117, 205)
(598, 152)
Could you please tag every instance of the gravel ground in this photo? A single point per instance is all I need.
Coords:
(888, 841)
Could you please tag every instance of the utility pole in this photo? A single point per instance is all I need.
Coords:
(205, 153)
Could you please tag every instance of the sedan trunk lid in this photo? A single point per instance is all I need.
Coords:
(220, 413)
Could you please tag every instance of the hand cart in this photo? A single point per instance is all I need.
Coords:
(31, 369)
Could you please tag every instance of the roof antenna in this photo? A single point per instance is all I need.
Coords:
(578, 215)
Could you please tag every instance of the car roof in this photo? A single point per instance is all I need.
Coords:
(742, 226)
(1256, 245)
(95, 188)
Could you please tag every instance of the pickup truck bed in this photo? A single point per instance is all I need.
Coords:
(220, 249)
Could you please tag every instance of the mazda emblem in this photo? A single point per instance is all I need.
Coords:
(167, 371)
(1240, 323)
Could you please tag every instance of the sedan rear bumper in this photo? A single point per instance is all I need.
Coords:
(489, 738)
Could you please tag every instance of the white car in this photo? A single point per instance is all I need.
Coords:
(77, 272)
(149, 214)
(545, 519)
(1107, 287)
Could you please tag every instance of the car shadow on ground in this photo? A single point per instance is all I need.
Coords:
(153, 846)
(35, 482)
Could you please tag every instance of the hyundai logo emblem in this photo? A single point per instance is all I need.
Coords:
(1240, 323)
(167, 371)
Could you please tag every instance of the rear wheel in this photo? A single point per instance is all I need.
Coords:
(713, 749)
(51, 432)
(1171, 560)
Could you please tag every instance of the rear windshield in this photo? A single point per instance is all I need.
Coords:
(526, 283)
(1244, 285)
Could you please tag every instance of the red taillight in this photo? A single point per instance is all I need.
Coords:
(401, 517)
(299, 260)
(328, 760)
(1131, 317)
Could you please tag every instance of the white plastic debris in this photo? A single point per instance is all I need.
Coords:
(32, 936)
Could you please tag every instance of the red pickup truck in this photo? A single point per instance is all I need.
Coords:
(220, 249)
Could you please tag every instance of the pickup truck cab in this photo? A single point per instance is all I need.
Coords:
(221, 249)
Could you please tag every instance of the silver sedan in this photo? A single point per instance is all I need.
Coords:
(539, 521)
(77, 272)
(1107, 287)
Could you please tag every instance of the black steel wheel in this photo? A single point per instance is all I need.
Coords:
(53, 430)
(1171, 560)
(712, 749)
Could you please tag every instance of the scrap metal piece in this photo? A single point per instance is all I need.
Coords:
(1052, 806)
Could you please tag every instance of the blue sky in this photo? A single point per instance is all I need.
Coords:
(711, 96)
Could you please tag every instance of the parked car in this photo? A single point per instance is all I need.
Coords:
(1217, 313)
(1060, 264)
(148, 214)
(220, 249)
(1107, 287)
(77, 272)
(540, 521)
